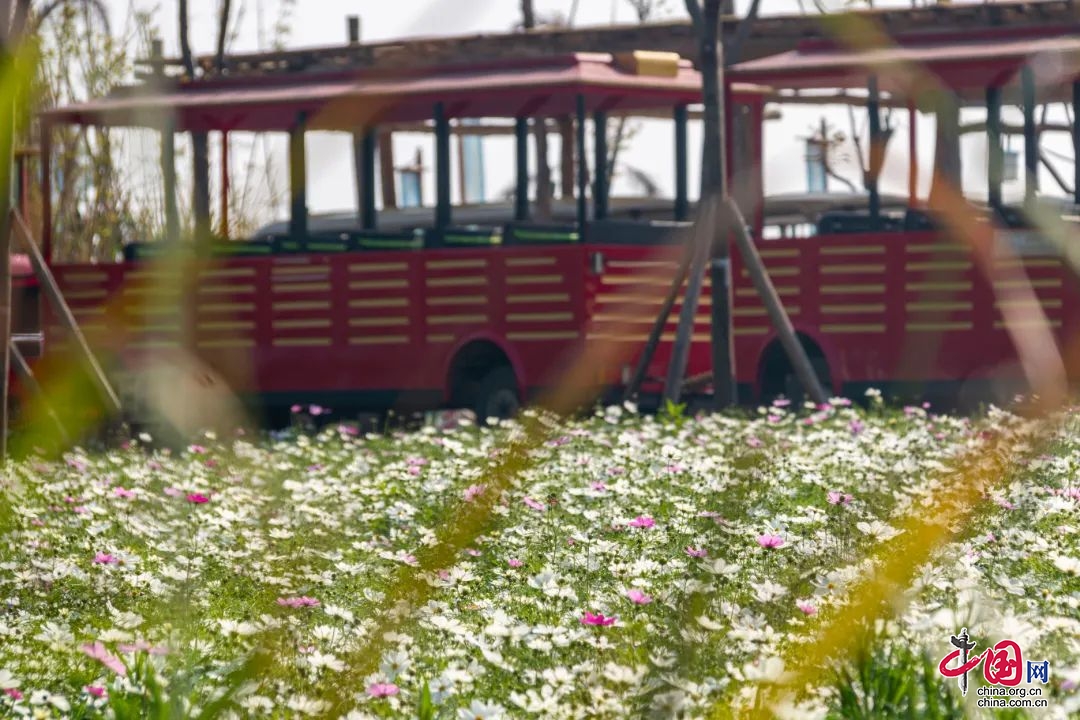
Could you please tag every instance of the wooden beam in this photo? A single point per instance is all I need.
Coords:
(995, 161)
(298, 212)
(29, 381)
(600, 159)
(582, 166)
(63, 312)
(682, 180)
(876, 152)
(387, 178)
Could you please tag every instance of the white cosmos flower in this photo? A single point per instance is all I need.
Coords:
(8, 680)
(480, 710)
(768, 591)
(304, 705)
(319, 660)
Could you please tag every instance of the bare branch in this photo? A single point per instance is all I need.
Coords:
(734, 53)
(223, 33)
(694, 9)
(185, 42)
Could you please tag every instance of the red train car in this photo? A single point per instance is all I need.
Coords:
(486, 314)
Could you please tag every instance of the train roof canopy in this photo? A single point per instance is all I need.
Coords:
(965, 63)
(529, 87)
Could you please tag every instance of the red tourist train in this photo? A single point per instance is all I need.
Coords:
(458, 311)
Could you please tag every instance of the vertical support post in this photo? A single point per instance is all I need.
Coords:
(682, 195)
(442, 167)
(582, 168)
(913, 155)
(600, 159)
(46, 191)
(224, 184)
(298, 215)
(995, 161)
(1031, 139)
(367, 178)
(22, 182)
(1076, 139)
(521, 169)
(874, 161)
(566, 156)
(386, 170)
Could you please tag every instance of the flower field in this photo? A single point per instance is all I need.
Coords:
(630, 567)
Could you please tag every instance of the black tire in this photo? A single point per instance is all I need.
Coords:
(496, 396)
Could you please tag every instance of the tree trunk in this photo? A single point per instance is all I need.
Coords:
(946, 148)
(544, 191)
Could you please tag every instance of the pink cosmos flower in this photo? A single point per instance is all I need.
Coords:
(197, 449)
(597, 619)
(142, 646)
(317, 410)
(381, 690)
(472, 492)
(856, 426)
(13, 693)
(119, 491)
(642, 521)
(197, 498)
(514, 563)
(770, 541)
(98, 652)
(173, 492)
(781, 402)
(297, 602)
(754, 442)
(473, 552)
(806, 606)
(696, 552)
(295, 409)
(535, 504)
(98, 692)
(598, 486)
(838, 498)
(105, 559)
(638, 597)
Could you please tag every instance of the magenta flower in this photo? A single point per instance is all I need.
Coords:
(197, 499)
(856, 426)
(598, 486)
(317, 410)
(119, 491)
(838, 498)
(696, 552)
(297, 602)
(535, 504)
(381, 690)
(770, 541)
(754, 442)
(197, 449)
(295, 409)
(638, 597)
(98, 652)
(472, 492)
(806, 606)
(597, 619)
(98, 692)
(642, 521)
(514, 563)
(105, 559)
(13, 693)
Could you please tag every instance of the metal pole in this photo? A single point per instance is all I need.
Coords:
(582, 168)
(442, 167)
(600, 159)
(46, 191)
(521, 186)
(682, 201)
(386, 170)
(995, 160)
(1031, 139)
(874, 161)
(298, 217)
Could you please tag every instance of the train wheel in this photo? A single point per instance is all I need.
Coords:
(497, 396)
